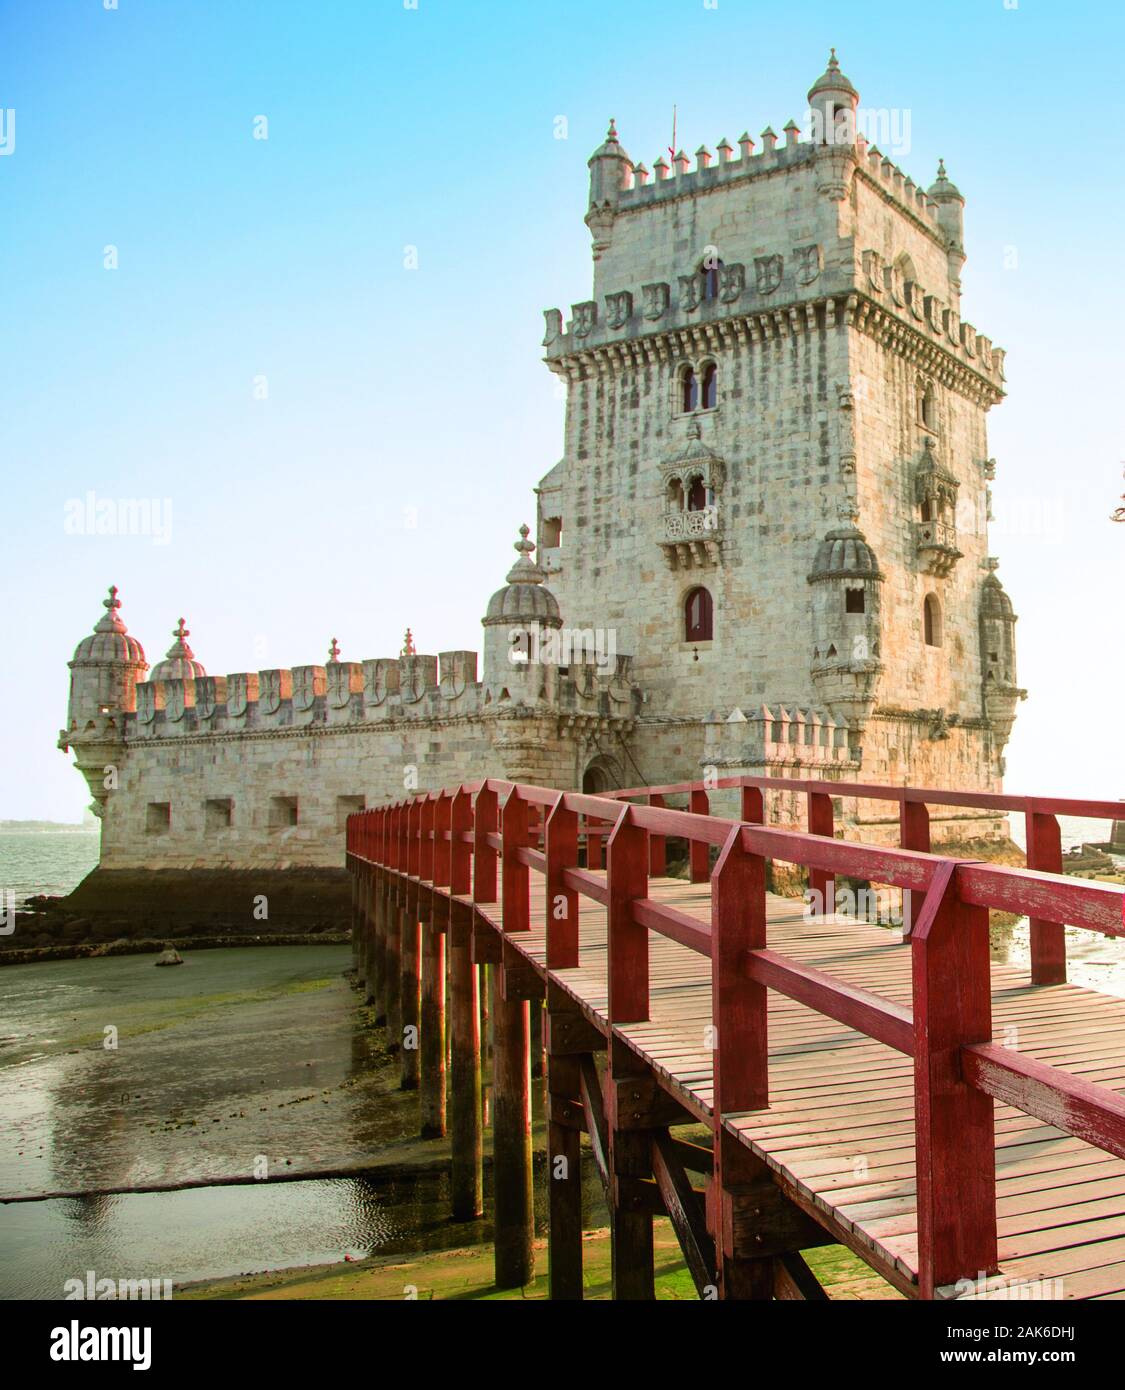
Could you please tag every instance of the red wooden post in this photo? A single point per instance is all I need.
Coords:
(466, 1137)
(821, 822)
(955, 1140)
(628, 942)
(487, 822)
(433, 1078)
(443, 808)
(396, 906)
(460, 851)
(593, 843)
(740, 1049)
(426, 843)
(657, 845)
(411, 949)
(699, 853)
(561, 901)
(914, 833)
(514, 874)
(753, 805)
(1048, 939)
(738, 1005)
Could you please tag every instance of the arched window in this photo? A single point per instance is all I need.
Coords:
(698, 616)
(710, 276)
(689, 389)
(675, 495)
(710, 393)
(697, 496)
(931, 621)
(928, 411)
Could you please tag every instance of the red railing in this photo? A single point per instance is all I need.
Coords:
(1044, 842)
(457, 839)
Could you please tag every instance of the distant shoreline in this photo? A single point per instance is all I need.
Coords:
(46, 827)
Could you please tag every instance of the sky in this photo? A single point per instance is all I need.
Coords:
(318, 353)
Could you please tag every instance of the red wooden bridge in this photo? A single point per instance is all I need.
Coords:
(957, 1124)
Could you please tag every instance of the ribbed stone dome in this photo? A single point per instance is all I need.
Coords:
(694, 451)
(994, 602)
(525, 597)
(831, 80)
(943, 189)
(844, 553)
(179, 662)
(110, 640)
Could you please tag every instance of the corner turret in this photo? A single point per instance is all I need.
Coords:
(104, 673)
(1001, 691)
(951, 219)
(846, 664)
(520, 618)
(610, 170)
(179, 662)
(832, 130)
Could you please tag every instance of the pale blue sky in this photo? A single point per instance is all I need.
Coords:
(391, 388)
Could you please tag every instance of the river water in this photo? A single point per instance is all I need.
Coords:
(242, 1066)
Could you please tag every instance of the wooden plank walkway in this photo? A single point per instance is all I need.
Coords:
(839, 1132)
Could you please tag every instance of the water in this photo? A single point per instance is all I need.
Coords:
(45, 861)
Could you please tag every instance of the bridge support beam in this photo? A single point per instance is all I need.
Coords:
(630, 1164)
(511, 1139)
(379, 892)
(568, 1037)
(432, 1021)
(411, 999)
(393, 955)
(465, 1100)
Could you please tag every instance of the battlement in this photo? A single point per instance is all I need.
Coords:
(639, 190)
(776, 734)
(416, 687)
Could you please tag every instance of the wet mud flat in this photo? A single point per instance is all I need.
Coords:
(241, 1064)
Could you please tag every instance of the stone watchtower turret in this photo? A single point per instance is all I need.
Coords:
(774, 484)
(104, 673)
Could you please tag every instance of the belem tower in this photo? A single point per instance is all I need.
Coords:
(763, 550)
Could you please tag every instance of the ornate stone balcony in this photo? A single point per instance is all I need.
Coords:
(936, 544)
(692, 539)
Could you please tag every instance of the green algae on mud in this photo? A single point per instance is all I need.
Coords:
(464, 1273)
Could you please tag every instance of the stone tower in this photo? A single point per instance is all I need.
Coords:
(774, 479)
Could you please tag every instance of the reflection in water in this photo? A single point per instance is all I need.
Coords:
(209, 1233)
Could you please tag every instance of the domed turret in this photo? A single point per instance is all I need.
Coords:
(103, 678)
(609, 167)
(846, 663)
(951, 219)
(519, 618)
(105, 668)
(844, 554)
(179, 663)
(832, 106)
(1000, 690)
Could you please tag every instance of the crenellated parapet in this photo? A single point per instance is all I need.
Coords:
(416, 687)
(779, 737)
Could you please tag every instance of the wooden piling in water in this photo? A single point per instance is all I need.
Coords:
(564, 1026)
(466, 1120)
(432, 1022)
(393, 954)
(379, 948)
(511, 1140)
(411, 993)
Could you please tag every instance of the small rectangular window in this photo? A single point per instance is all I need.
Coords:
(218, 813)
(347, 806)
(854, 601)
(283, 812)
(158, 817)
